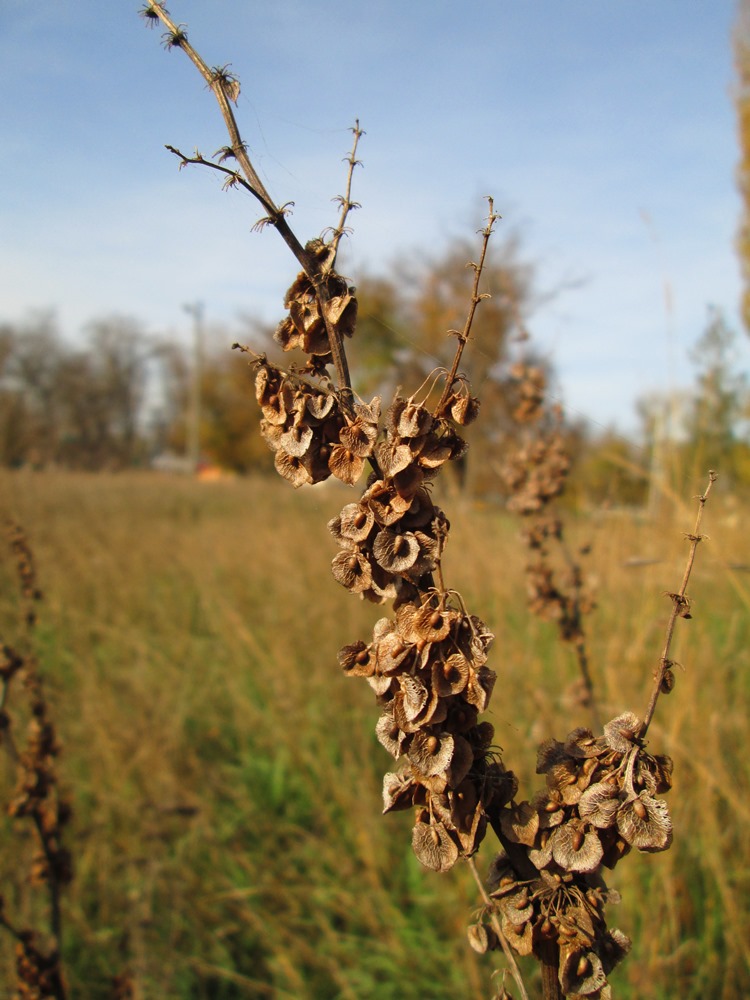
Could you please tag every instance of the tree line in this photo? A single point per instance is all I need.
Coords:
(119, 397)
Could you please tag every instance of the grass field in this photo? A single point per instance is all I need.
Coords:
(225, 776)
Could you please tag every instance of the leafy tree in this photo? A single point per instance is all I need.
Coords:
(31, 416)
(81, 406)
(403, 334)
(720, 406)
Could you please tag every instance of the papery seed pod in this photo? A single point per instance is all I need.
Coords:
(450, 676)
(352, 570)
(586, 983)
(384, 587)
(520, 824)
(479, 688)
(433, 624)
(414, 696)
(516, 909)
(574, 850)
(387, 506)
(296, 440)
(393, 653)
(315, 459)
(479, 938)
(357, 660)
(581, 743)
(598, 805)
(434, 847)
(660, 766)
(435, 451)
(353, 523)
(651, 832)
(341, 311)
(550, 753)
(391, 736)
(393, 457)
(320, 404)
(431, 753)
(413, 421)
(519, 937)
(359, 434)
(407, 482)
(398, 792)
(465, 409)
(395, 552)
(428, 555)
(613, 947)
(345, 465)
(461, 761)
(621, 733)
(291, 468)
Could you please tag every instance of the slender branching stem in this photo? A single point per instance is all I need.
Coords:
(549, 958)
(582, 657)
(347, 205)
(579, 642)
(680, 606)
(216, 80)
(509, 956)
(476, 298)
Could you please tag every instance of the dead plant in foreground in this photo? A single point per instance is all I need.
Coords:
(427, 659)
(36, 798)
(536, 473)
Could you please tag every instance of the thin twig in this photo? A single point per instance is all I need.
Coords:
(347, 205)
(476, 298)
(216, 80)
(579, 640)
(509, 956)
(680, 606)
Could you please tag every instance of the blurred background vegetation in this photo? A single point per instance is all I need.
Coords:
(119, 398)
(225, 776)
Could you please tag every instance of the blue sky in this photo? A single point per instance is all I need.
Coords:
(604, 129)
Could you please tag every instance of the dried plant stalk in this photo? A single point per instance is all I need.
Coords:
(36, 797)
(427, 660)
(664, 676)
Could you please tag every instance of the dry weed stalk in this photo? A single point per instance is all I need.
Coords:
(536, 473)
(36, 796)
(427, 660)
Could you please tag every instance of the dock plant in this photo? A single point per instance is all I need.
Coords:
(429, 659)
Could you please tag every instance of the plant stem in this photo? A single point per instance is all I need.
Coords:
(680, 605)
(276, 216)
(509, 956)
(476, 298)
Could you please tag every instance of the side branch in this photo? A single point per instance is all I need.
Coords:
(680, 608)
(347, 205)
(476, 298)
(510, 958)
(225, 88)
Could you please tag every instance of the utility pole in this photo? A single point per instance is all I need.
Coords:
(195, 310)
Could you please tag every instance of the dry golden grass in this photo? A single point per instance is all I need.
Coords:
(227, 833)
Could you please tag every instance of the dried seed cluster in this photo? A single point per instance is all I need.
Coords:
(536, 475)
(600, 801)
(427, 666)
(39, 976)
(393, 538)
(305, 326)
(307, 430)
(428, 661)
